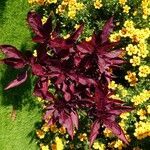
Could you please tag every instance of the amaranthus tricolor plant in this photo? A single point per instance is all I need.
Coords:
(79, 71)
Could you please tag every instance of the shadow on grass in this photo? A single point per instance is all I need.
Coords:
(2, 8)
(21, 95)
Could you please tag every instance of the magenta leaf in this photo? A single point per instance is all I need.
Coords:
(75, 118)
(21, 78)
(116, 129)
(107, 29)
(11, 52)
(94, 131)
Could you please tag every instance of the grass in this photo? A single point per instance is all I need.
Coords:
(17, 132)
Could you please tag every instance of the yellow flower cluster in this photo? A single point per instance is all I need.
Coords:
(142, 129)
(42, 2)
(119, 145)
(122, 2)
(142, 97)
(98, 4)
(142, 114)
(72, 6)
(44, 147)
(58, 144)
(131, 78)
(146, 8)
(99, 145)
(144, 71)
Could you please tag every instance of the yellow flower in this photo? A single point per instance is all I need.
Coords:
(135, 61)
(126, 9)
(115, 37)
(44, 19)
(35, 53)
(59, 143)
(82, 136)
(76, 26)
(131, 78)
(98, 4)
(122, 2)
(51, 1)
(99, 145)
(79, 6)
(53, 128)
(107, 132)
(131, 49)
(72, 14)
(119, 145)
(62, 130)
(124, 115)
(144, 71)
(66, 36)
(148, 109)
(112, 85)
(45, 127)
(88, 39)
(40, 2)
(44, 147)
(40, 134)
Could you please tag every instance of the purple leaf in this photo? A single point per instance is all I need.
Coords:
(94, 131)
(34, 20)
(11, 52)
(66, 121)
(76, 34)
(75, 118)
(14, 62)
(38, 70)
(107, 29)
(116, 129)
(21, 78)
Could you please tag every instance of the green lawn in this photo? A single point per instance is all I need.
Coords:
(16, 133)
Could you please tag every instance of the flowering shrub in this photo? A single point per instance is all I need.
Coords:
(88, 80)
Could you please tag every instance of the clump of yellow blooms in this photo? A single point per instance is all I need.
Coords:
(142, 129)
(141, 98)
(144, 71)
(146, 8)
(125, 115)
(119, 145)
(99, 145)
(98, 4)
(82, 137)
(72, 6)
(131, 49)
(40, 134)
(142, 114)
(42, 2)
(131, 78)
(44, 147)
(58, 144)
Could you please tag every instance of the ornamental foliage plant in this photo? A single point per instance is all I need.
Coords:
(79, 72)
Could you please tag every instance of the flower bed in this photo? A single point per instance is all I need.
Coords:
(92, 70)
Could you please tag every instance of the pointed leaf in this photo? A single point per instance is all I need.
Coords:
(107, 29)
(116, 129)
(75, 118)
(11, 52)
(21, 78)
(94, 131)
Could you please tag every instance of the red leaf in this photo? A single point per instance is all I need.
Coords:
(34, 20)
(76, 34)
(37, 69)
(107, 29)
(66, 121)
(21, 78)
(115, 128)
(11, 52)
(14, 62)
(94, 131)
(75, 118)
